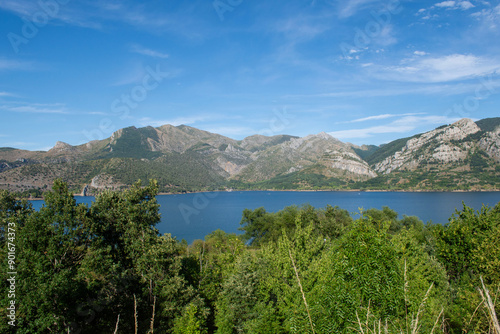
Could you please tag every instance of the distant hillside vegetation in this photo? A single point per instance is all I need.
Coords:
(464, 155)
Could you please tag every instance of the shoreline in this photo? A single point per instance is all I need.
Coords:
(306, 190)
(336, 190)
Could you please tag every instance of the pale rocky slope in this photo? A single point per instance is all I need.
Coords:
(443, 145)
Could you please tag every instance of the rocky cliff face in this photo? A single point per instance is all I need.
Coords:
(490, 143)
(297, 154)
(442, 145)
(351, 163)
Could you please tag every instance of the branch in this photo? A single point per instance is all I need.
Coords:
(302, 291)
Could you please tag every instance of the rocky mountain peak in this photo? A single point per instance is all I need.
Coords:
(61, 147)
(324, 135)
(460, 129)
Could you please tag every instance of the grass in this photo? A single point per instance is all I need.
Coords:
(490, 306)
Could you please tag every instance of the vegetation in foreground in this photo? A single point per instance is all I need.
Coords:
(105, 269)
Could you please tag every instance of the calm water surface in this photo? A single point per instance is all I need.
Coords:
(192, 216)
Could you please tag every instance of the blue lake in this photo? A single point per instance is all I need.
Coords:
(192, 216)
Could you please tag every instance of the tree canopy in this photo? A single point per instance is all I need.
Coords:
(106, 269)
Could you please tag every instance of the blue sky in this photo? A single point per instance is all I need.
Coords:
(365, 71)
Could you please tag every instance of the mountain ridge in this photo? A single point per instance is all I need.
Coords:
(464, 155)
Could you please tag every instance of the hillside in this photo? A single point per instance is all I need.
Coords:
(464, 155)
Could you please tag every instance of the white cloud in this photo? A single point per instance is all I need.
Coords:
(10, 65)
(19, 7)
(351, 7)
(35, 108)
(402, 125)
(386, 36)
(147, 52)
(98, 14)
(446, 4)
(300, 27)
(382, 116)
(463, 5)
(466, 5)
(7, 94)
(440, 69)
(234, 131)
(134, 73)
(420, 53)
(100, 113)
(25, 145)
(67, 14)
(370, 131)
(18, 144)
(416, 89)
(489, 17)
(188, 120)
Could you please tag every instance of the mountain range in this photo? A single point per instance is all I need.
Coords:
(464, 155)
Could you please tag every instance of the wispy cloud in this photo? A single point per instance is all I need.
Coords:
(7, 94)
(382, 116)
(463, 5)
(370, 131)
(445, 4)
(62, 13)
(18, 144)
(408, 89)
(386, 36)
(420, 53)
(97, 15)
(188, 120)
(301, 27)
(350, 7)
(489, 17)
(440, 69)
(36, 108)
(402, 125)
(12, 64)
(23, 8)
(100, 113)
(233, 131)
(133, 73)
(147, 52)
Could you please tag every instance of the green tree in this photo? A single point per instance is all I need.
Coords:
(50, 245)
(236, 301)
(214, 259)
(142, 269)
(13, 216)
(361, 270)
(468, 248)
(91, 269)
(189, 322)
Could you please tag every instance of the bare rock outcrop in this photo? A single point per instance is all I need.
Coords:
(441, 145)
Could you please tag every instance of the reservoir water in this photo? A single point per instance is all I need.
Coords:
(192, 216)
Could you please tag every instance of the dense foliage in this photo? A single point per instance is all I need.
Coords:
(106, 269)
